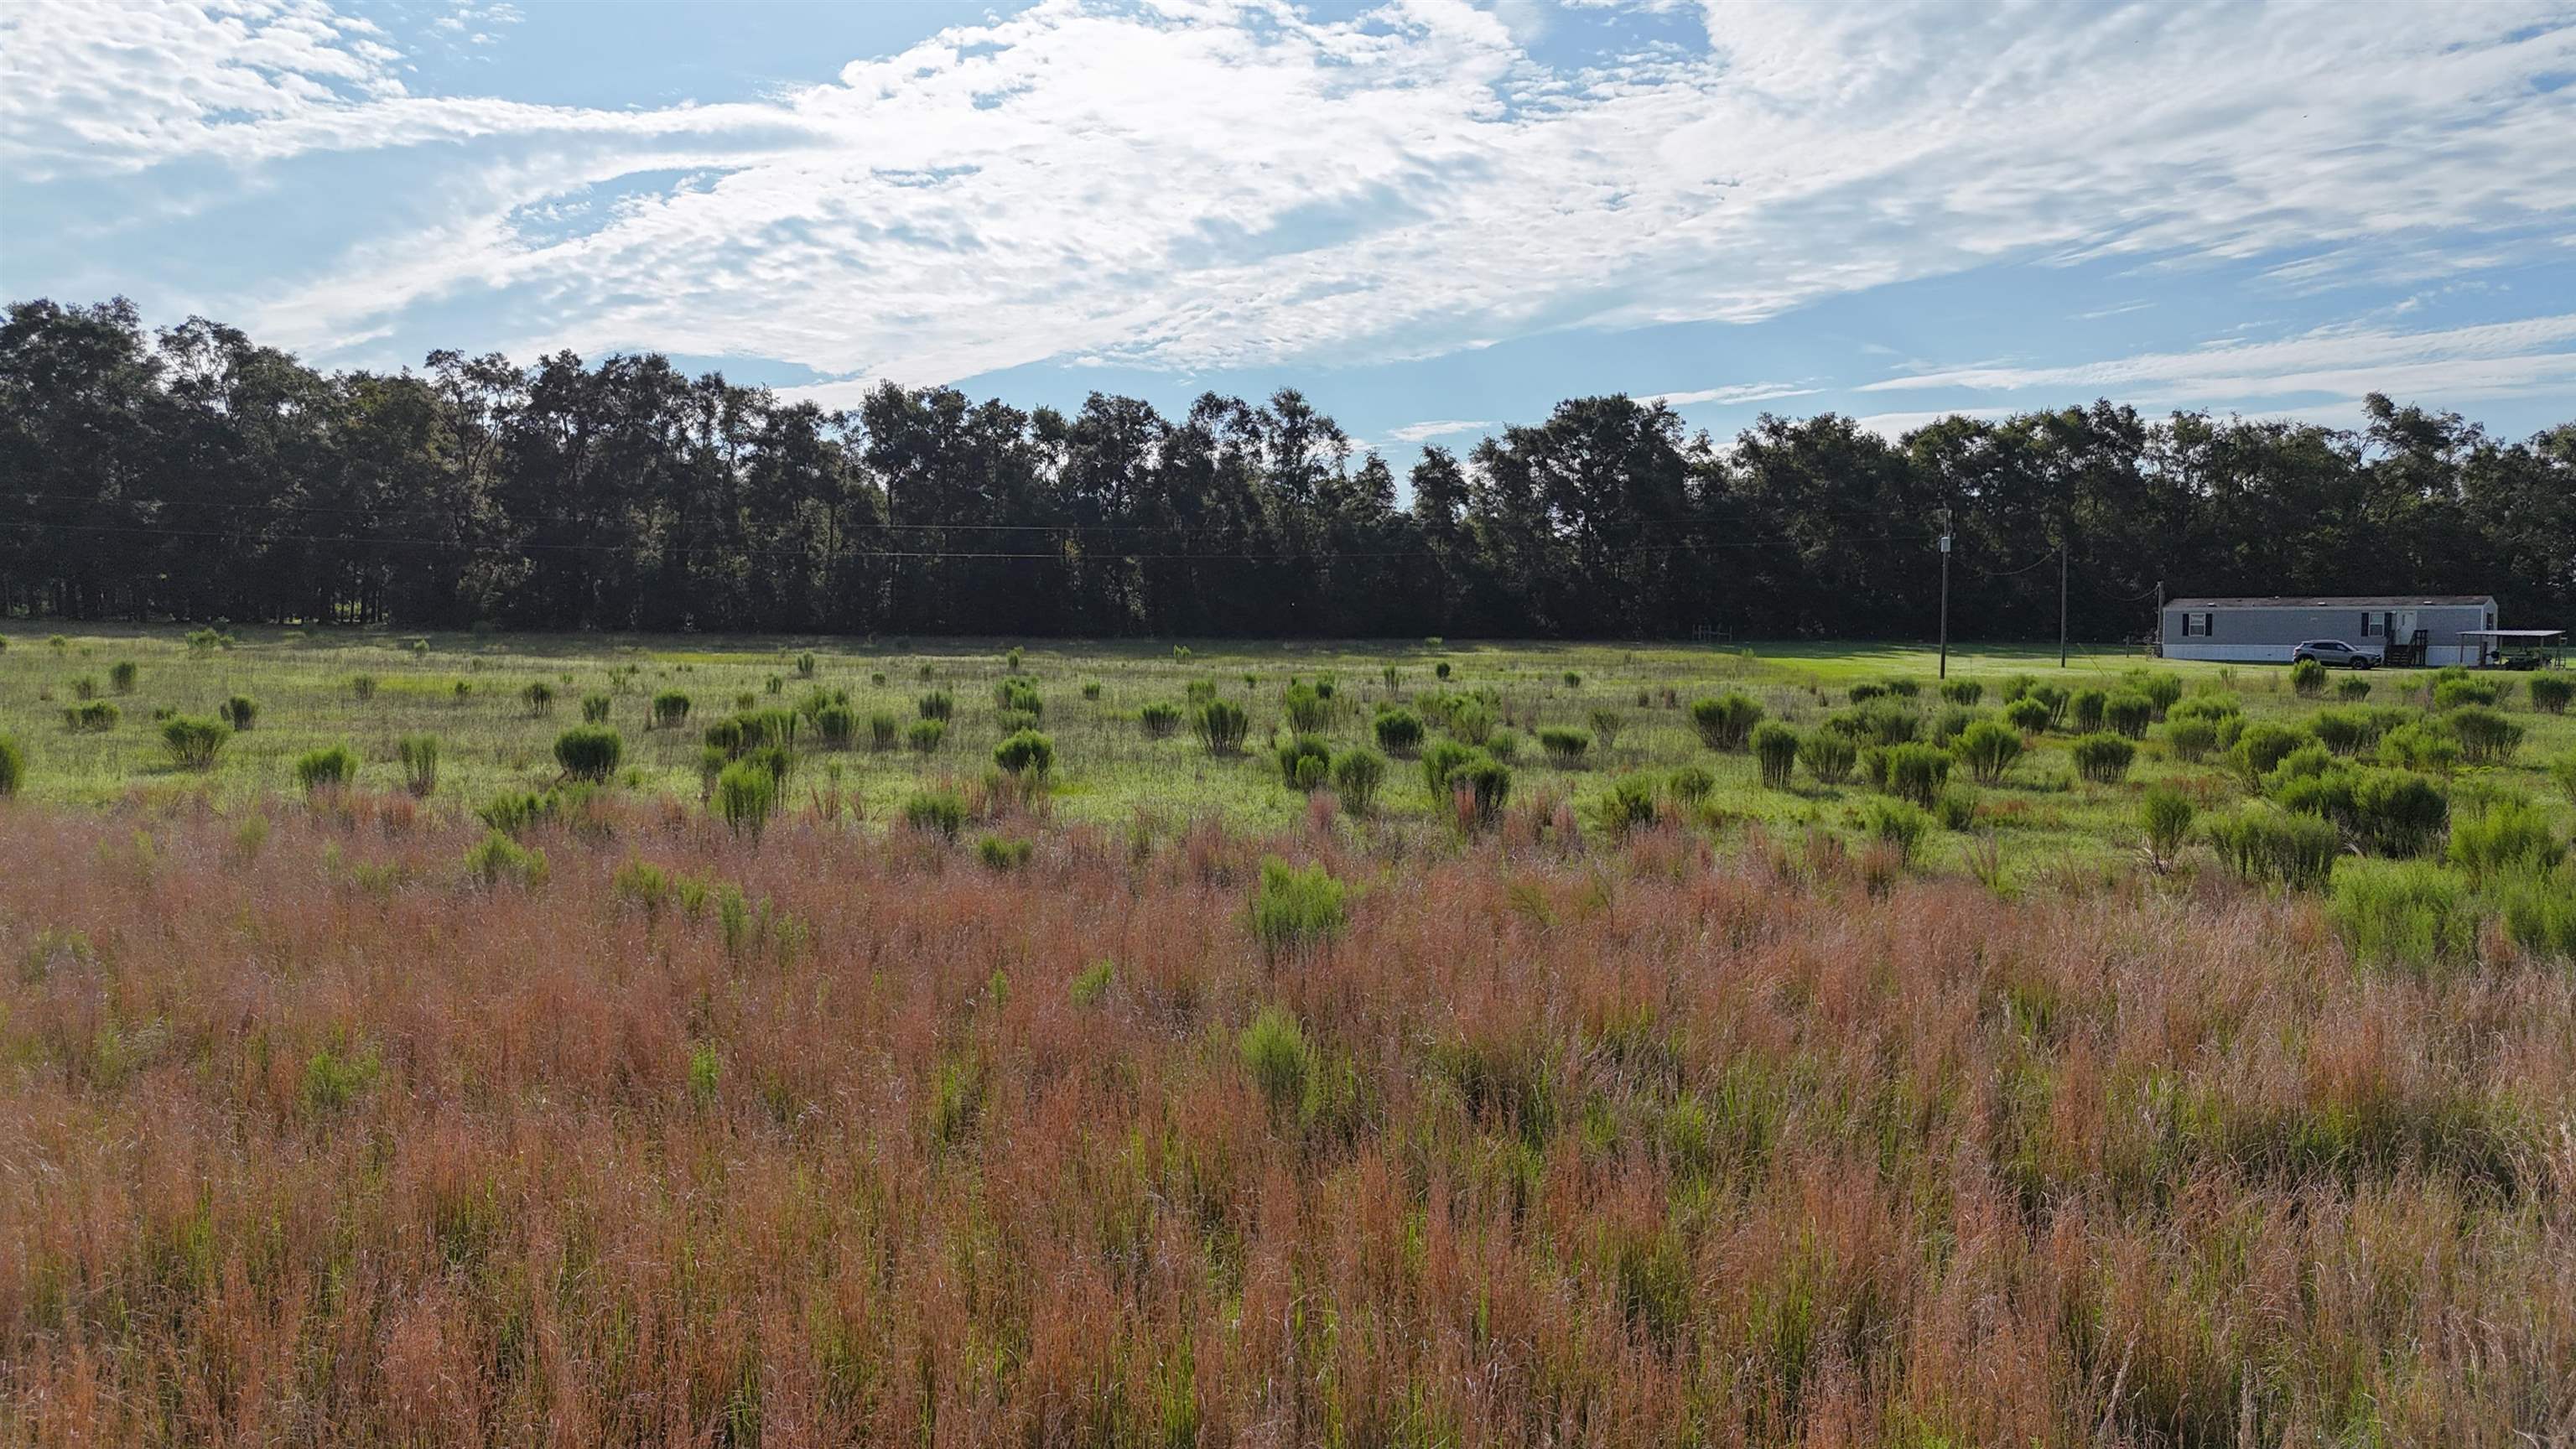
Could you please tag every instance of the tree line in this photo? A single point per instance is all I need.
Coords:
(190, 473)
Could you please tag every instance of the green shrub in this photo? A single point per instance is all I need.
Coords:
(2426, 745)
(2262, 745)
(2088, 707)
(1090, 986)
(2263, 844)
(745, 795)
(1471, 721)
(1916, 773)
(539, 696)
(513, 811)
(806, 664)
(1307, 710)
(2486, 737)
(1898, 822)
(937, 704)
(1439, 761)
(1091, 689)
(589, 752)
(2308, 678)
(2396, 814)
(1878, 722)
(594, 708)
(202, 642)
(419, 756)
(1564, 745)
(1775, 749)
(936, 812)
(498, 858)
(2402, 913)
(1901, 686)
(1304, 761)
(1441, 669)
(2352, 687)
(836, 726)
(2103, 758)
(1025, 753)
(924, 735)
(1726, 722)
(2539, 913)
(1002, 853)
(194, 741)
(670, 709)
(2505, 838)
(2563, 771)
(1692, 784)
(1357, 774)
(1827, 757)
(1866, 691)
(768, 728)
(240, 711)
(327, 768)
(95, 717)
(2455, 691)
(1627, 804)
(1294, 909)
(2191, 740)
(884, 731)
(1487, 783)
(1956, 809)
(1275, 1055)
(2162, 688)
(2550, 692)
(2027, 715)
(1019, 696)
(2129, 714)
(121, 676)
(1220, 726)
(1011, 658)
(13, 765)
(2165, 815)
(1989, 750)
(2053, 699)
(1953, 722)
(1398, 731)
(1159, 719)
(2344, 731)
(1963, 692)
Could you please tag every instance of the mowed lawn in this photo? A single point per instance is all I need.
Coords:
(369, 690)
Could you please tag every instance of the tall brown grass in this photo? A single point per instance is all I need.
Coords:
(310, 1138)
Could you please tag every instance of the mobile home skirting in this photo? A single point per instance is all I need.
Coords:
(2435, 655)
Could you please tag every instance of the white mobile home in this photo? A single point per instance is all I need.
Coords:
(2423, 629)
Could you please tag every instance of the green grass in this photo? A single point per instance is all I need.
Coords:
(1107, 768)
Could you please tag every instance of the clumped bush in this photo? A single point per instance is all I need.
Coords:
(2308, 678)
(2129, 714)
(2027, 715)
(194, 740)
(884, 731)
(2053, 699)
(327, 768)
(2191, 740)
(2344, 731)
(2089, 706)
(746, 793)
(806, 664)
(1989, 750)
(1019, 696)
(498, 858)
(1159, 719)
(589, 752)
(95, 717)
(2563, 771)
(1357, 775)
(539, 696)
(13, 765)
(240, 711)
(1917, 773)
(1952, 723)
(1900, 823)
(1878, 722)
(924, 735)
(1220, 726)
(2539, 913)
(2550, 692)
(837, 726)
(2506, 838)
(1956, 809)
(670, 709)
(1304, 761)
(2426, 745)
(1026, 753)
(2103, 758)
(1564, 745)
(1001, 853)
(937, 704)
(1627, 804)
(1487, 784)
(1826, 756)
(1293, 909)
(2352, 687)
(2486, 737)
(1471, 721)
(1963, 692)
(2402, 913)
(1606, 724)
(2457, 690)
(1775, 748)
(2165, 815)
(1865, 691)
(2262, 745)
(1277, 1058)
(419, 756)
(594, 709)
(1726, 722)
(936, 812)
(121, 676)
(2263, 844)
(1690, 785)
(1399, 731)
(1307, 710)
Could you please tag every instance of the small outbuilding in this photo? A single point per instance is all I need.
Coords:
(2413, 629)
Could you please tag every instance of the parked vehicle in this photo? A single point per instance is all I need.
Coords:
(2334, 653)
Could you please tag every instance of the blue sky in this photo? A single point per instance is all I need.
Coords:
(1433, 216)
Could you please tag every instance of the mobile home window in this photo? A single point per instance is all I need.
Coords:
(2374, 626)
(2197, 625)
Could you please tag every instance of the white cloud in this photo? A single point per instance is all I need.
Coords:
(2505, 359)
(1201, 183)
(1418, 432)
(1739, 395)
(1893, 426)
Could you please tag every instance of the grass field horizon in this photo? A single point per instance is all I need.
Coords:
(2140, 1055)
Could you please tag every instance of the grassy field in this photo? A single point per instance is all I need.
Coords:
(469, 693)
(1165, 1103)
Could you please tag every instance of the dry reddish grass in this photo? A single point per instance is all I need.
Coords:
(307, 1140)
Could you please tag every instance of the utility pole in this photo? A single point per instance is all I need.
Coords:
(2061, 603)
(2160, 618)
(1945, 594)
